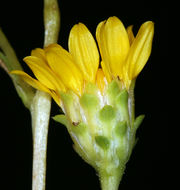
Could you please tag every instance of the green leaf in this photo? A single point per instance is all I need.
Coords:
(67, 99)
(107, 113)
(70, 101)
(121, 128)
(103, 142)
(122, 98)
(61, 118)
(112, 91)
(89, 102)
(91, 88)
(138, 121)
(121, 103)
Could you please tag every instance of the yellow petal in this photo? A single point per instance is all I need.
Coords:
(38, 52)
(106, 71)
(114, 44)
(101, 81)
(140, 50)
(102, 46)
(37, 85)
(61, 63)
(43, 73)
(32, 82)
(125, 78)
(83, 48)
(130, 34)
(56, 97)
(50, 47)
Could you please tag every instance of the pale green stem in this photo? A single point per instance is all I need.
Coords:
(9, 62)
(8, 51)
(41, 105)
(51, 21)
(40, 112)
(111, 182)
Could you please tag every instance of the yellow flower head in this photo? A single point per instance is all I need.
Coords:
(123, 56)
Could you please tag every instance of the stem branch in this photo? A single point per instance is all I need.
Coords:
(9, 62)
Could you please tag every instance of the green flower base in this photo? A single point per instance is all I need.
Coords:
(102, 128)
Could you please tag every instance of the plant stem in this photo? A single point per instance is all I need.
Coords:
(10, 54)
(51, 21)
(111, 182)
(9, 62)
(40, 111)
(41, 105)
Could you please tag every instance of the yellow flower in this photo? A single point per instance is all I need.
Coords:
(123, 57)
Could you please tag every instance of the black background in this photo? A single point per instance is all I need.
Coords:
(22, 22)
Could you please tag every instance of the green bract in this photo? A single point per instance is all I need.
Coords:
(101, 129)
